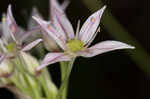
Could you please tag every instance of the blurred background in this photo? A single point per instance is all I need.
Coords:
(123, 74)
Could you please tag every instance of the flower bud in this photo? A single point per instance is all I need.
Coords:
(49, 43)
(31, 63)
(6, 68)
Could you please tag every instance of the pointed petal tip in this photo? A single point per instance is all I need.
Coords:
(104, 7)
(31, 45)
(101, 11)
(105, 46)
(131, 47)
(9, 6)
(9, 9)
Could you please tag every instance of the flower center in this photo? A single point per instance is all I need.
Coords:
(11, 47)
(75, 45)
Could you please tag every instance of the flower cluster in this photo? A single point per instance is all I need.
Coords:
(64, 44)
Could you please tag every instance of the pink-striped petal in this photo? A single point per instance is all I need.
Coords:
(11, 21)
(65, 4)
(59, 28)
(7, 35)
(104, 47)
(54, 5)
(52, 32)
(51, 58)
(64, 23)
(31, 45)
(59, 23)
(90, 26)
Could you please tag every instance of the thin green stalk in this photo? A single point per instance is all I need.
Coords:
(49, 87)
(34, 87)
(45, 87)
(64, 67)
(66, 79)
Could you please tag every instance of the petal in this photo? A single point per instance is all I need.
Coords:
(51, 58)
(31, 45)
(31, 34)
(64, 23)
(11, 21)
(59, 28)
(104, 47)
(7, 35)
(90, 26)
(54, 5)
(32, 23)
(65, 4)
(52, 32)
(49, 43)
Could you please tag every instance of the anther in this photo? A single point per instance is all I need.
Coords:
(93, 19)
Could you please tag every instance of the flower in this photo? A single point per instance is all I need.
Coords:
(48, 41)
(11, 42)
(76, 45)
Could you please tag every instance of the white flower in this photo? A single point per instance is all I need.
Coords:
(11, 40)
(76, 45)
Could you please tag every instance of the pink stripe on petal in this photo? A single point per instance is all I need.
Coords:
(54, 5)
(52, 32)
(104, 47)
(31, 45)
(90, 26)
(65, 24)
(51, 58)
(59, 28)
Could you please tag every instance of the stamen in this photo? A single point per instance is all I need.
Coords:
(90, 41)
(78, 28)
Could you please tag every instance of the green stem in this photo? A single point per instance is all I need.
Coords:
(49, 87)
(66, 79)
(45, 87)
(63, 67)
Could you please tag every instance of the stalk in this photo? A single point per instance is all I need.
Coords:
(64, 84)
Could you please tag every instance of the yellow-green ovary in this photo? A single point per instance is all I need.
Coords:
(75, 45)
